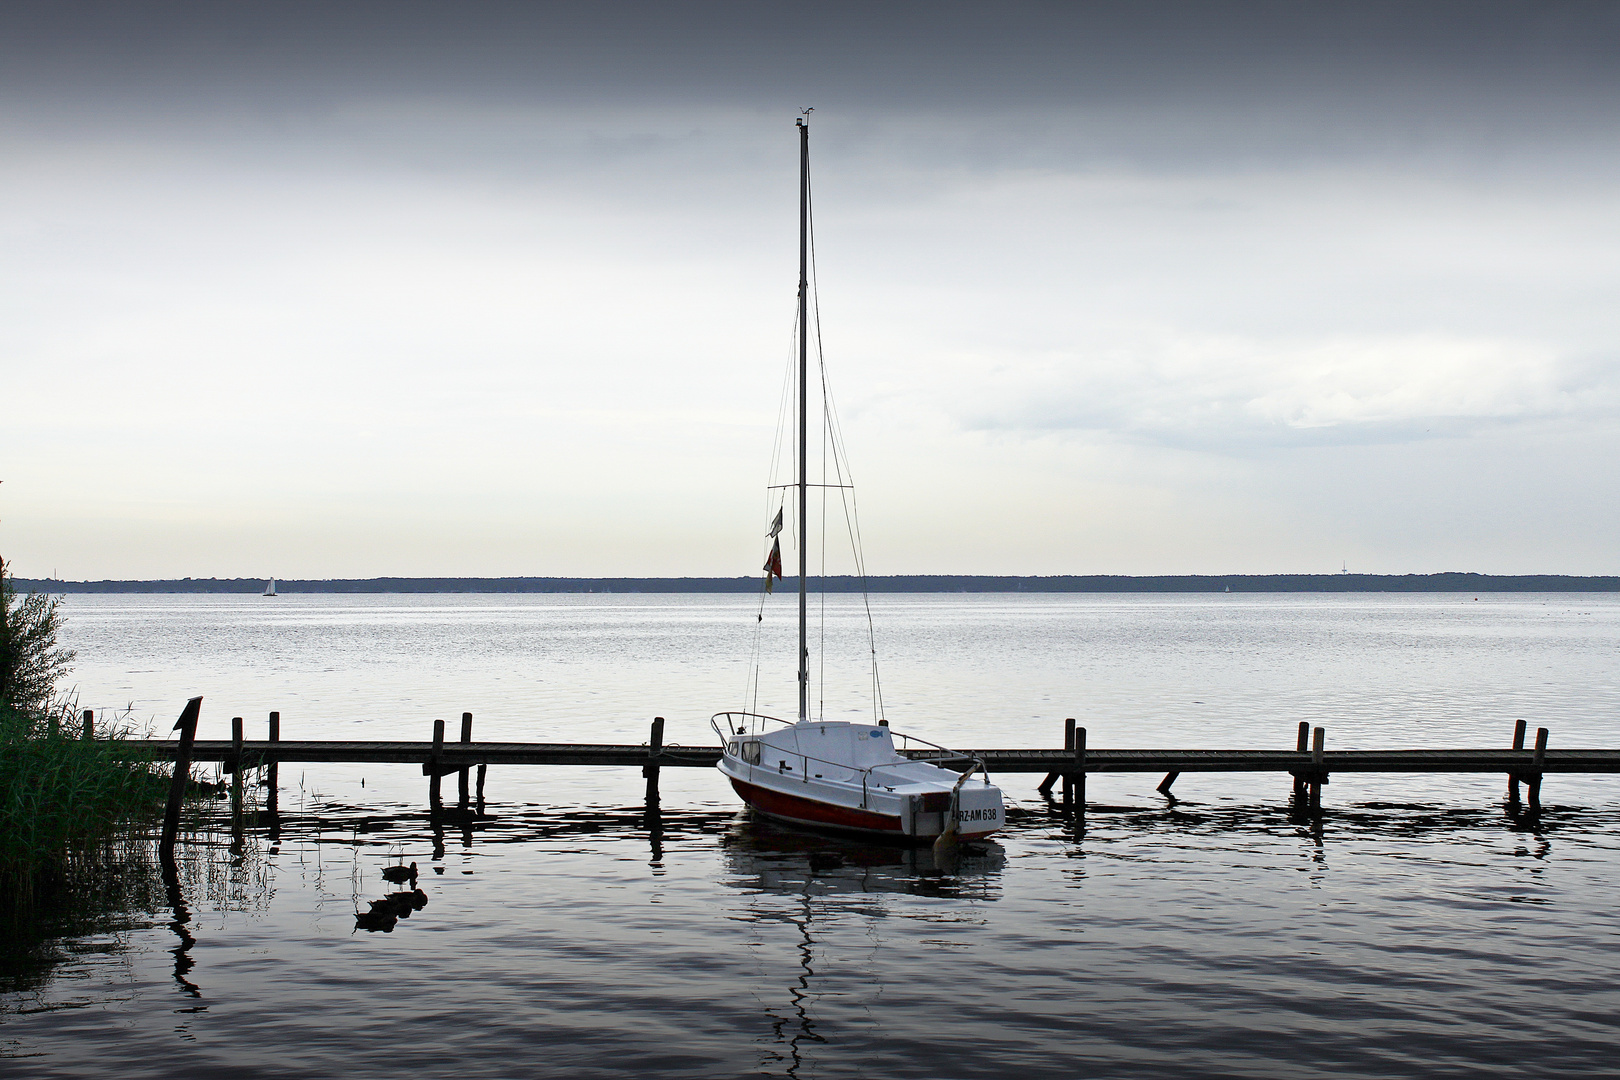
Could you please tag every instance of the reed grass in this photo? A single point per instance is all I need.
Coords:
(63, 796)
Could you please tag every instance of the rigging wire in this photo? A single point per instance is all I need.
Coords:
(821, 367)
(834, 453)
(821, 599)
(832, 432)
(784, 405)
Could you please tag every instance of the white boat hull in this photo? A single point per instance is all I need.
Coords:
(847, 778)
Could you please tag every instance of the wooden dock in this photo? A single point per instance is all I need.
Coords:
(454, 756)
(1309, 763)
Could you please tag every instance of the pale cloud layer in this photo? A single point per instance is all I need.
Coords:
(470, 298)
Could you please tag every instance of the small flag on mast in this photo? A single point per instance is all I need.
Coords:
(776, 526)
(773, 565)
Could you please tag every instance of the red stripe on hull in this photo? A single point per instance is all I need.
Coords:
(810, 812)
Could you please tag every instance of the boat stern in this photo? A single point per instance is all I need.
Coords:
(980, 811)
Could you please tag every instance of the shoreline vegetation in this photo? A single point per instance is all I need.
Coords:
(68, 795)
(67, 802)
(891, 583)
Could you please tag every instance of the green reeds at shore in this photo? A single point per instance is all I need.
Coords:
(63, 796)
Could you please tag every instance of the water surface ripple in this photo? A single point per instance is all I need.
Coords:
(1418, 929)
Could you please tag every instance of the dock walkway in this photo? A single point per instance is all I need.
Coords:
(462, 755)
(1309, 763)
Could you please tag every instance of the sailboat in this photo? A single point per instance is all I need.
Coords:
(838, 775)
(270, 588)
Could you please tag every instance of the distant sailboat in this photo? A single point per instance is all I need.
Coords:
(270, 588)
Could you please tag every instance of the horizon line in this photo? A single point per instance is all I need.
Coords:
(1341, 581)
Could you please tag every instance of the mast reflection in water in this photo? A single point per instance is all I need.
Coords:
(832, 880)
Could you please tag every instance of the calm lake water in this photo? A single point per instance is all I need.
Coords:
(1416, 930)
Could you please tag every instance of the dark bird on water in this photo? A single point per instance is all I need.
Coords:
(372, 921)
(400, 874)
(399, 905)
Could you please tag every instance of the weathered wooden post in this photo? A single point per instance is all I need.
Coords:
(1532, 785)
(1318, 772)
(1045, 786)
(187, 727)
(234, 766)
(1068, 776)
(655, 748)
(482, 769)
(272, 777)
(1080, 771)
(1513, 777)
(461, 777)
(1166, 784)
(89, 719)
(1299, 777)
(434, 800)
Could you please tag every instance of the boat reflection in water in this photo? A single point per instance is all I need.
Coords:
(766, 856)
(826, 889)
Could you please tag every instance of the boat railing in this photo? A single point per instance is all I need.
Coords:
(945, 753)
(747, 718)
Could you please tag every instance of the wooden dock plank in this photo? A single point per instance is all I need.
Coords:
(1393, 761)
(999, 760)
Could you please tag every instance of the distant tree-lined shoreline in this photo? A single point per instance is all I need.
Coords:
(894, 583)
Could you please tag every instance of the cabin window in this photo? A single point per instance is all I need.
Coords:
(750, 752)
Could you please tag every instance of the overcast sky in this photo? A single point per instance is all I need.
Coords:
(486, 289)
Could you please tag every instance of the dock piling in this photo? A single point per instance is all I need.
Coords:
(89, 724)
(1513, 777)
(435, 803)
(655, 748)
(461, 777)
(1046, 785)
(1080, 771)
(1299, 777)
(1532, 786)
(482, 769)
(272, 779)
(1164, 785)
(235, 768)
(1068, 776)
(187, 727)
(1318, 771)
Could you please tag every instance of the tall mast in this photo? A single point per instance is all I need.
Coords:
(804, 397)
